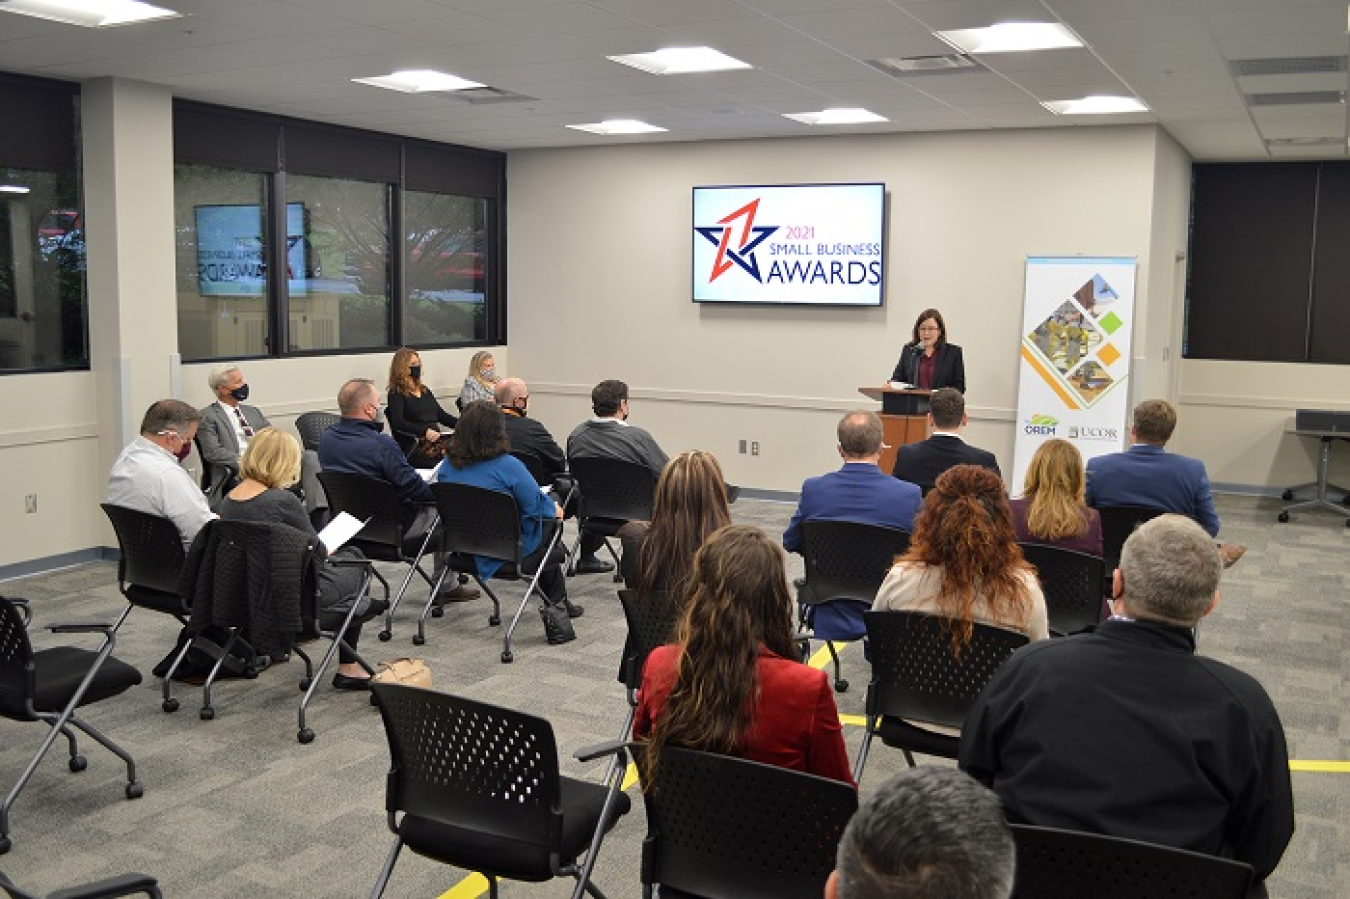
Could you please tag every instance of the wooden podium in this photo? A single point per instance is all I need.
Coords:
(904, 418)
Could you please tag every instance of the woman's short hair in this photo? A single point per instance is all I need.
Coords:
(400, 371)
(479, 436)
(935, 316)
(272, 458)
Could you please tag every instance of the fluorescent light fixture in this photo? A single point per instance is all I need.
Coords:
(619, 126)
(90, 13)
(681, 61)
(1097, 105)
(13, 189)
(1011, 37)
(836, 117)
(418, 81)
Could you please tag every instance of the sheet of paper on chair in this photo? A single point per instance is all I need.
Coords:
(341, 529)
(429, 474)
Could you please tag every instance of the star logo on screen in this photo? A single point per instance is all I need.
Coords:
(736, 241)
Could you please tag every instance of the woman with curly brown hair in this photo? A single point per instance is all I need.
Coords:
(415, 415)
(964, 562)
(731, 682)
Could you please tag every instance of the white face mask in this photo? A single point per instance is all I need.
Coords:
(488, 374)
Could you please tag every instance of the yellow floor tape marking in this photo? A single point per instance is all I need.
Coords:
(1320, 765)
(470, 887)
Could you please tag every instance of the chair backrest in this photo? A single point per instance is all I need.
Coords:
(1063, 864)
(477, 521)
(311, 425)
(916, 676)
(651, 621)
(152, 549)
(15, 655)
(613, 488)
(847, 559)
(535, 466)
(470, 765)
(722, 827)
(1072, 584)
(1118, 522)
(366, 497)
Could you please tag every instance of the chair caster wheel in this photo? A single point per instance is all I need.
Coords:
(494, 620)
(135, 790)
(304, 684)
(1284, 516)
(437, 612)
(5, 845)
(841, 686)
(1287, 495)
(207, 713)
(305, 735)
(385, 636)
(419, 640)
(618, 578)
(169, 705)
(78, 763)
(507, 658)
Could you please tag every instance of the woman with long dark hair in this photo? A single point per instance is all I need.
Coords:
(964, 562)
(731, 682)
(415, 415)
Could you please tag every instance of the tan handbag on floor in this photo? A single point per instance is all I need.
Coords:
(408, 672)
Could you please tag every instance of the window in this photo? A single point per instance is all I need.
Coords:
(444, 268)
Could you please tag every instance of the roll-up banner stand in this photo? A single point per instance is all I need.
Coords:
(1077, 321)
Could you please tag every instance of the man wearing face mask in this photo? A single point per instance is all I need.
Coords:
(227, 426)
(148, 475)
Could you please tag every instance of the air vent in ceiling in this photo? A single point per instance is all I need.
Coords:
(485, 96)
(907, 67)
(1291, 65)
(1296, 98)
(1290, 143)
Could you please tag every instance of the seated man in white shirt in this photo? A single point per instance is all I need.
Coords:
(148, 476)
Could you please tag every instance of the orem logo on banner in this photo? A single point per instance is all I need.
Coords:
(1077, 322)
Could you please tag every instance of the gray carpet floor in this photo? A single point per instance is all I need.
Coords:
(236, 807)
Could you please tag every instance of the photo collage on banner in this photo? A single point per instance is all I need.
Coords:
(1077, 320)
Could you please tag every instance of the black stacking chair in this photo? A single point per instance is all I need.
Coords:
(1118, 523)
(311, 425)
(108, 888)
(1063, 864)
(383, 539)
(1071, 583)
(481, 522)
(915, 678)
(49, 685)
(222, 473)
(651, 621)
(845, 564)
(485, 794)
(720, 827)
(613, 492)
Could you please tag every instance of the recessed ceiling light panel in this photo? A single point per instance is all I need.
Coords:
(1011, 37)
(417, 81)
(836, 117)
(681, 61)
(13, 189)
(618, 126)
(1096, 105)
(90, 13)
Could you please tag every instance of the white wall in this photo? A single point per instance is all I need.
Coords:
(600, 283)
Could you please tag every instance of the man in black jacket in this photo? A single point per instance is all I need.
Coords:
(921, 463)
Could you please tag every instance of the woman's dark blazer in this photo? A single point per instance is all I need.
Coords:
(950, 371)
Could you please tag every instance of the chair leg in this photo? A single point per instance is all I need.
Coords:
(909, 758)
(133, 787)
(304, 734)
(421, 636)
(862, 750)
(840, 685)
(614, 779)
(169, 704)
(207, 711)
(388, 869)
(618, 563)
(507, 657)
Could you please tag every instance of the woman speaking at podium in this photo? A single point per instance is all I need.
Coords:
(929, 361)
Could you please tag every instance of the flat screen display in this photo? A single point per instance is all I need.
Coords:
(789, 244)
(230, 257)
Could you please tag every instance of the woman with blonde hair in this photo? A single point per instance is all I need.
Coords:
(415, 415)
(1052, 509)
(270, 464)
(964, 563)
(481, 383)
(731, 683)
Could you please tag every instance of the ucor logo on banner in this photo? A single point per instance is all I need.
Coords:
(1077, 319)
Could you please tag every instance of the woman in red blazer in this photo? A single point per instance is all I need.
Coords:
(732, 683)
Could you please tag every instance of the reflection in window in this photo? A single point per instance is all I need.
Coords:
(444, 268)
(337, 263)
(42, 262)
(221, 262)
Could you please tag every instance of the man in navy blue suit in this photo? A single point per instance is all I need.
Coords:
(1146, 475)
(921, 463)
(859, 491)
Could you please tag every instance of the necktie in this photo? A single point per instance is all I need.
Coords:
(245, 426)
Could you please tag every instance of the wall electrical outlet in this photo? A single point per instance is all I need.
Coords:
(754, 448)
(30, 503)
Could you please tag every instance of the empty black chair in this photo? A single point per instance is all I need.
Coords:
(478, 787)
(218, 478)
(311, 425)
(49, 685)
(108, 888)
(1118, 522)
(845, 564)
(721, 827)
(1071, 583)
(916, 678)
(384, 538)
(479, 522)
(613, 492)
(651, 621)
(1064, 864)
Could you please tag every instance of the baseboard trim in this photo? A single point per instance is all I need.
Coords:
(48, 564)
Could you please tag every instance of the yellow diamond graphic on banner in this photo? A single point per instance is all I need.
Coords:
(1108, 354)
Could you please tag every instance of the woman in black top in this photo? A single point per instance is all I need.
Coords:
(929, 361)
(414, 414)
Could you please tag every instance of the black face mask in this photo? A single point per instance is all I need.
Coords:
(240, 393)
(183, 451)
(415, 372)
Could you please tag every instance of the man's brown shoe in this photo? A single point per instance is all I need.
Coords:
(460, 593)
(1230, 553)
